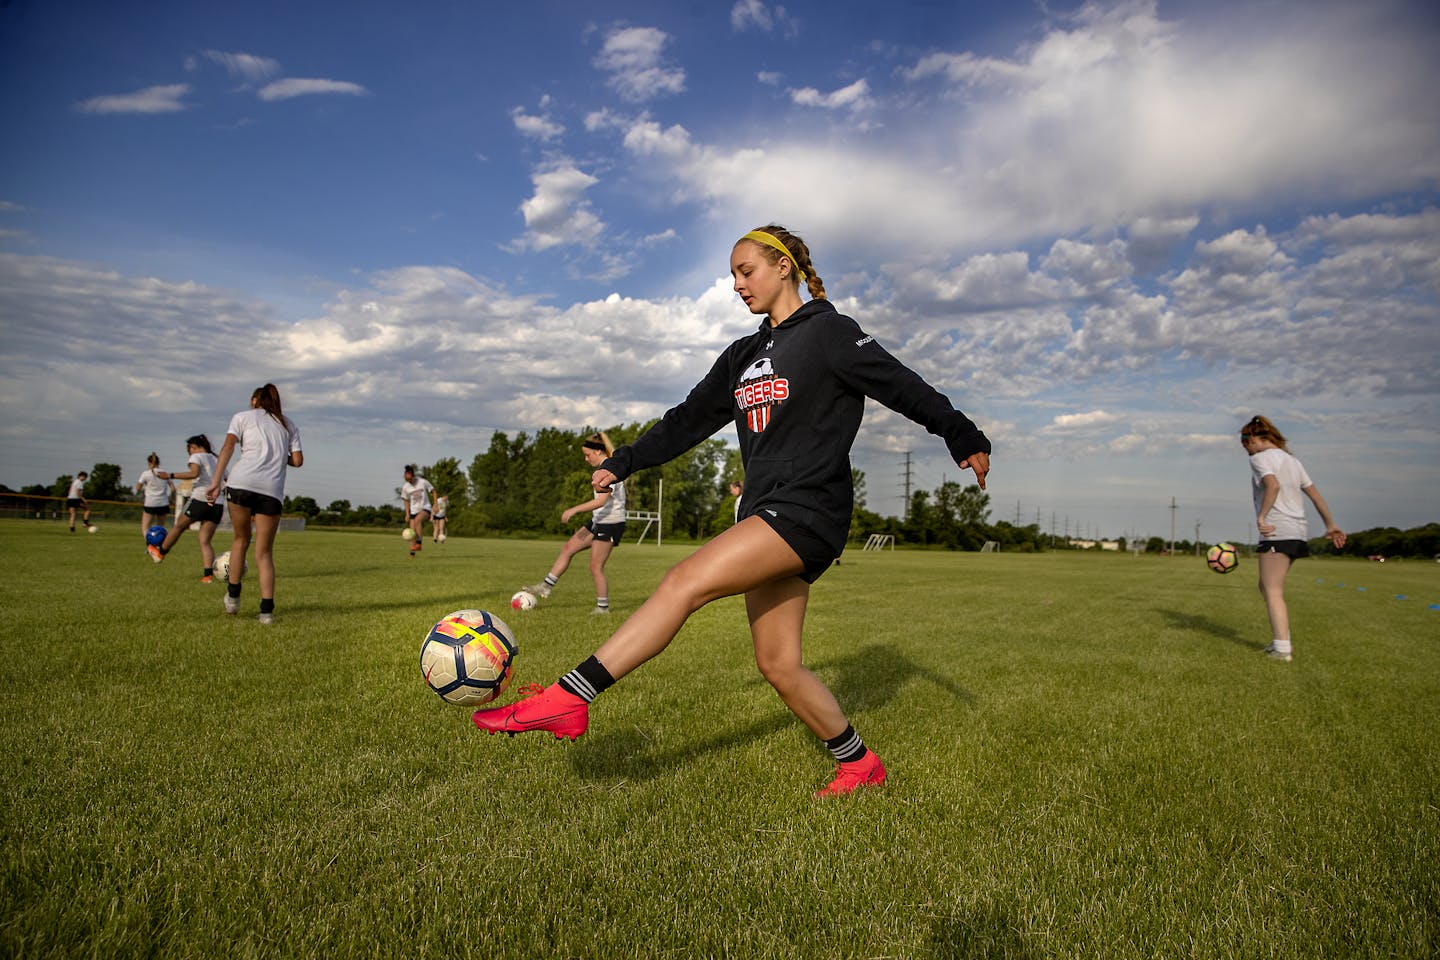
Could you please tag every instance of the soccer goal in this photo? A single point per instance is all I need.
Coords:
(991, 546)
(879, 541)
(650, 518)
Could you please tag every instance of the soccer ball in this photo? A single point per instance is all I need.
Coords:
(440, 539)
(468, 657)
(407, 534)
(155, 535)
(1222, 558)
(92, 529)
(222, 567)
(524, 600)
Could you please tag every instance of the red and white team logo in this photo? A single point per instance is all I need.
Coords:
(758, 391)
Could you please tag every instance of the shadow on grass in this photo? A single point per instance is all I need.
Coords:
(984, 932)
(1197, 623)
(865, 680)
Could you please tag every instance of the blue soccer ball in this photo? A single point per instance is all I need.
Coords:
(155, 535)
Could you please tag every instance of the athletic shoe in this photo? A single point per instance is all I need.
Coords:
(549, 708)
(207, 579)
(541, 589)
(155, 553)
(266, 618)
(866, 771)
(232, 605)
(600, 611)
(1275, 654)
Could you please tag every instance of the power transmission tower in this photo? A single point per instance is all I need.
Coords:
(907, 478)
(1173, 508)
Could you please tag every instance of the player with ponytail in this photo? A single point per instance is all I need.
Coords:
(795, 392)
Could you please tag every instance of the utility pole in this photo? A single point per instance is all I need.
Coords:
(1173, 508)
(1197, 538)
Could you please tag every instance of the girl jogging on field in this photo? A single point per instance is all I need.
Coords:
(268, 442)
(197, 510)
(600, 536)
(157, 495)
(795, 390)
(1277, 479)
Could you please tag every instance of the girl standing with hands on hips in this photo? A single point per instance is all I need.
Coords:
(795, 391)
(1277, 479)
(268, 442)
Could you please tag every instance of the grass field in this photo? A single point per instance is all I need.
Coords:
(1088, 755)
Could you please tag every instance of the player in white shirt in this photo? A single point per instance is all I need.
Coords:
(600, 536)
(1277, 480)
(416, 491)
(268, 442)
(437, 520)
(197, 510)
(157, 495)
(75, 499)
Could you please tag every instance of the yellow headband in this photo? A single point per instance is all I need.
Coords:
(760, 236)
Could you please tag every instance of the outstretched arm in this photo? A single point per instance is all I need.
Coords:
(227, 450)
(600, 500)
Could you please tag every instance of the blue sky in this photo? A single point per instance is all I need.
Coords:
(1110, 232)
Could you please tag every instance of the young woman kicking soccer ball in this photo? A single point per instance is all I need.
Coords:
(208, 515)
(795, 390)
(600, 536)
(1277, 479)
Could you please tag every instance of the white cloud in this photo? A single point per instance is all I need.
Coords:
(304, 86)
(1083, 421)
(166, 98)
(245, 66)
(538, 128)
(632, 57)
(557, 213)
(855, 96)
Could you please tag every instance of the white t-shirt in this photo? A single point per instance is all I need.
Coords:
(76, 486)
(614, 509)
(416, 494)
(1288, 512)
(157, 491)
(206, 464)
(441, 505)
(265, 446)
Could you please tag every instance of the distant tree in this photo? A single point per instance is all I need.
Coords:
(302, 505)
(448, 480)
(61, 486)
(104, 483)
(341, 507)
(40, 490)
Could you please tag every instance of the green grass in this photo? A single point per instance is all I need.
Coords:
(1088, 757)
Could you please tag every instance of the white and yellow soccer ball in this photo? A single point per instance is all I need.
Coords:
(92, 529)
(222, 567)
(407, 534)
(524, 600)
(468, 657)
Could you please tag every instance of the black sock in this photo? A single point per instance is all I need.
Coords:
(267, 604)
(209, 572)
(847, 747)
(233, 589)
(588, 680)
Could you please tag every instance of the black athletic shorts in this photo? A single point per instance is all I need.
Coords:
(1294, 549)
(161, 511)
(201, 512)
(254, 502)
(815, 553)
(609, 532)
(75, 503)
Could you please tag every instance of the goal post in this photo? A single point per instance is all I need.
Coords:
(879, 541)
(991, 546)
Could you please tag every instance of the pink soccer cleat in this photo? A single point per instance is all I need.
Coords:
(867, 771)
(543, 708)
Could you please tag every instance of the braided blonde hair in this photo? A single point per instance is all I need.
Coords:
(799, 255)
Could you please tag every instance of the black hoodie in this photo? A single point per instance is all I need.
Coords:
(796, 393)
